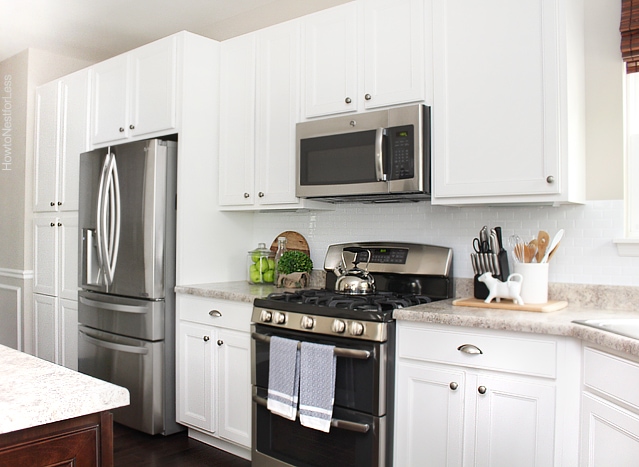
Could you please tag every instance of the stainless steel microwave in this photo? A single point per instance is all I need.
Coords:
(379, 156)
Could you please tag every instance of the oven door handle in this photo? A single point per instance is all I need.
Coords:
(339, 351)
(335, 422)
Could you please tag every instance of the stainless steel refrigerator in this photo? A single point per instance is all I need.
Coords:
(126, 306)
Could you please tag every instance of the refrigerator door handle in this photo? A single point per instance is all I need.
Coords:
(113, 187)
(100, 216)
(114, 307)
(114, 346)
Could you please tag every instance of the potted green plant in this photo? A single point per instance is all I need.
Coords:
(293, 269)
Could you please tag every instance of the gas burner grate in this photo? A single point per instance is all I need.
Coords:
(380, 301)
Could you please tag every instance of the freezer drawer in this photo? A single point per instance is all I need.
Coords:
(131, 363)
(143, 319)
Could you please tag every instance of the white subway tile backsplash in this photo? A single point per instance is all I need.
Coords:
(586, 255)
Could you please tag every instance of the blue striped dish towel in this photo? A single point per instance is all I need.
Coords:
(317, 385)
(283, 377)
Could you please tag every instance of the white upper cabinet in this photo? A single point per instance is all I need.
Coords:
(135, 93)
(508, 110)
(61, 135)
(364, 55)
(259, 107)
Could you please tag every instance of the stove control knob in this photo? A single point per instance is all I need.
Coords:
(279, 318)
(357, 328)
(266, 316)
(338, 326)
(307, 322)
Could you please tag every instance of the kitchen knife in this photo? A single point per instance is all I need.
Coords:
(502, 256)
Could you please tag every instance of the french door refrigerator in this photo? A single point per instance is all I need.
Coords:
(126, 305)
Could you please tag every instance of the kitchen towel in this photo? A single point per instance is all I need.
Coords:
(283, 377)
(317, 385)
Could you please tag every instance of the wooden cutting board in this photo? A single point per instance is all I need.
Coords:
(294, 241)
(505, 304)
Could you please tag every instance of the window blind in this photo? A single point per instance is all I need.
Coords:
(629, 28)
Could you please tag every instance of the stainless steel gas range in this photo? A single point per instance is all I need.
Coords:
(358, 322)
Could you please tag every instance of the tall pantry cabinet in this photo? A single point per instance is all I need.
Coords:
(62, 132)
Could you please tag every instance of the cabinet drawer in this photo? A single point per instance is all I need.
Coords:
(613, 377)
(507, 352)
(214, 312)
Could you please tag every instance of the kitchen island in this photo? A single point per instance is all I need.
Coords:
(51, 415)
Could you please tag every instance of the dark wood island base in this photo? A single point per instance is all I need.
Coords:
(79, 442)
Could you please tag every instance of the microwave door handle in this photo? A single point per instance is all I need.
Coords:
(379, 155)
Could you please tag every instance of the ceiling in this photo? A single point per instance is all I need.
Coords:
(94, 30)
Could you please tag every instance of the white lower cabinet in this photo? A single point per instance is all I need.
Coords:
(213, 372)
(478, 398)
(609, 410)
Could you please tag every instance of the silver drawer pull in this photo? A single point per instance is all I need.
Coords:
(339, 352)
(470, 348)
(335, 422)
(215, 314)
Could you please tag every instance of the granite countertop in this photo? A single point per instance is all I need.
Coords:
(36, 392)
(585, 302)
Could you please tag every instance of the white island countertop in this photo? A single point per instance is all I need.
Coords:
(36, 392)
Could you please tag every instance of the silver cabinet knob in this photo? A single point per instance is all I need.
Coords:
(481, 389)
(220, 342)
(348, 100)
(59, 203)
(206, 338)
(131, 127)
(453, 385)
(368, 97)
(260, 194)
(353, 123)
(550, 179)
(215, 314)
(246, 195)
(52, 203)
(59, 224)
(52, 224)
(470, 349)
(121, 130)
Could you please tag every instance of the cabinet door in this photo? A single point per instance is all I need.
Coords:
(237, 121)
(68, 333)
(393, 52)
(154, 87)
(514, 423)
(47, 132)
(330, 61)
(234, 398)
(277, 113)
(609, 434)
(45, 253)
(110, 106)
(429, 415)
(195, 376)
(68, 248)
(45, 327)
(74, 135)
(496, 112)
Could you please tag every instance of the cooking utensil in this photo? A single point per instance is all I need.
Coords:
(502, 255)
(553, 245)
(354, 281)
(480, 246)
(542, 245)
(552, 252)
(530, 249)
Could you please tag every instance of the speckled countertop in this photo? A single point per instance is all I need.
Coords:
(35, 392)
(585, 302)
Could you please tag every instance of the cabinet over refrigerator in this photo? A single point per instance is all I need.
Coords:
(126, 306)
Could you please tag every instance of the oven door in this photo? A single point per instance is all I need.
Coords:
(361, 384)
(355, 439)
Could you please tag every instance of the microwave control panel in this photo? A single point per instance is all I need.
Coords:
(401, 144)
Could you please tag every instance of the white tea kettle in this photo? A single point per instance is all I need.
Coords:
(354, 281)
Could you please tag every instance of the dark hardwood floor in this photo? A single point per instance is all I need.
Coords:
(135, 449)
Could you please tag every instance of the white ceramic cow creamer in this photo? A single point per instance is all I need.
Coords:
(497, 289)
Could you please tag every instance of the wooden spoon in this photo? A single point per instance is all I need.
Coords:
(529, 251)
(542, 243)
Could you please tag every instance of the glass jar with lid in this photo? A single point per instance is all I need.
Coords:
(261, 265)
